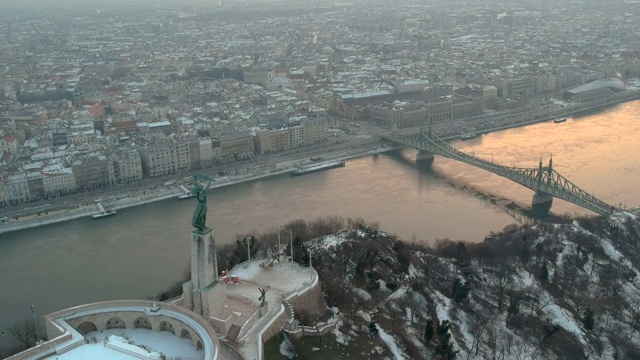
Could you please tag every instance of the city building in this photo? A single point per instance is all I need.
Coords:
(58, 180)
(36, 185)
(9, 143)
(410, 85)
(594, 90)
(3, 192)
(237, 145)
(127, 165)
(92, 172)
(164, 156)
(17, 188)
(209, 155)
(423, 109)
(315, 127)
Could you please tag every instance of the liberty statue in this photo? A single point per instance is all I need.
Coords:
(200, 214)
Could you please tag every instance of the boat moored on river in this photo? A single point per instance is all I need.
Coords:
(102, 212)
(319, 167)
(468, 136)
(186, 194)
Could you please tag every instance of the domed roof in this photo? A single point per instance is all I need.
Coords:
(613, 83)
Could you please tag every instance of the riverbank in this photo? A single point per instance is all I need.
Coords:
(40, 216)
(173, 191)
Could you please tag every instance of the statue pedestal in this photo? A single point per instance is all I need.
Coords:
(263, 309)
(204, 263)
(204, 269)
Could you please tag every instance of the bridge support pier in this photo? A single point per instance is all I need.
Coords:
(423, 156)
(540, 198)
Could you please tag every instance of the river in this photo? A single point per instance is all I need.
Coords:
(144, 249)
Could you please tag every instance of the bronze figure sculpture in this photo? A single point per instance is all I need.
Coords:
(200, 213)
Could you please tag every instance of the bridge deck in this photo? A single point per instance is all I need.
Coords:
(543, 179)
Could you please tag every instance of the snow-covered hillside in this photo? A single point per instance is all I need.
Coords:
(551, 291)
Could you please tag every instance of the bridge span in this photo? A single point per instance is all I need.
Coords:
(543, 180)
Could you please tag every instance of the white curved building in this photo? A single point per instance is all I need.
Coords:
(610, 83)
(126, 329)
(594, 90)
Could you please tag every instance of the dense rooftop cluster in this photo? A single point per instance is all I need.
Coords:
(100, 95)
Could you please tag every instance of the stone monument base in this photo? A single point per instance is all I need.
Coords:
(262, 310)
(204, 271)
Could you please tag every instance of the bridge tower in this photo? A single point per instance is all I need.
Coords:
(539, 197)
(423, 155)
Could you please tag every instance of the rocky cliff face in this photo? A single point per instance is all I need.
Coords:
(549, 291)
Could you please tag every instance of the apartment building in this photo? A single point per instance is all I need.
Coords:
(164, 156)
(315, 128)
(92, 172)
(236, 146)
(17, 188)
(58, 180)
(36, 186)
(3, 187)
(127, 165)
(272, 140)
(208, 154)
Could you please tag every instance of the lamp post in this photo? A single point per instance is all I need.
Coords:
(35, 323)
(247, 240)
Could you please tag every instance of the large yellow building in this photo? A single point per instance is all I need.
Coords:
(307, 131)
(415, 113)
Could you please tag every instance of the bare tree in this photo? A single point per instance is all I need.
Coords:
(523, 350)
(412, 301)
(392, 314)
(477, 326)
(503, 273)
(504, 345)
(23, 331)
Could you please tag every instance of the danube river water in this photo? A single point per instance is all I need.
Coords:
(144, 249)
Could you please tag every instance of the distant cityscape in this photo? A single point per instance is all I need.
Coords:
(96, 96)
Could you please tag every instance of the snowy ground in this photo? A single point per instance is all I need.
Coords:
(282, 278)
(158, 342)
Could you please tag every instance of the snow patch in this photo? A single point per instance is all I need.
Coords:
(119, 342)
(365, 316)
(286, 349)
(362, 294)
(392, 345)
(333, 240)
(443, 304)
(341, 338)
(413, 272)
(526, 279)
(383, 286)
(561, 317)
(418, 343)
(421, 306)
(611, 251)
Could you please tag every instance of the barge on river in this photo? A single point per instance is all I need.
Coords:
(319, 167)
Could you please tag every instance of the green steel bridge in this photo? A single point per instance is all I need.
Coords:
(544, 180)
